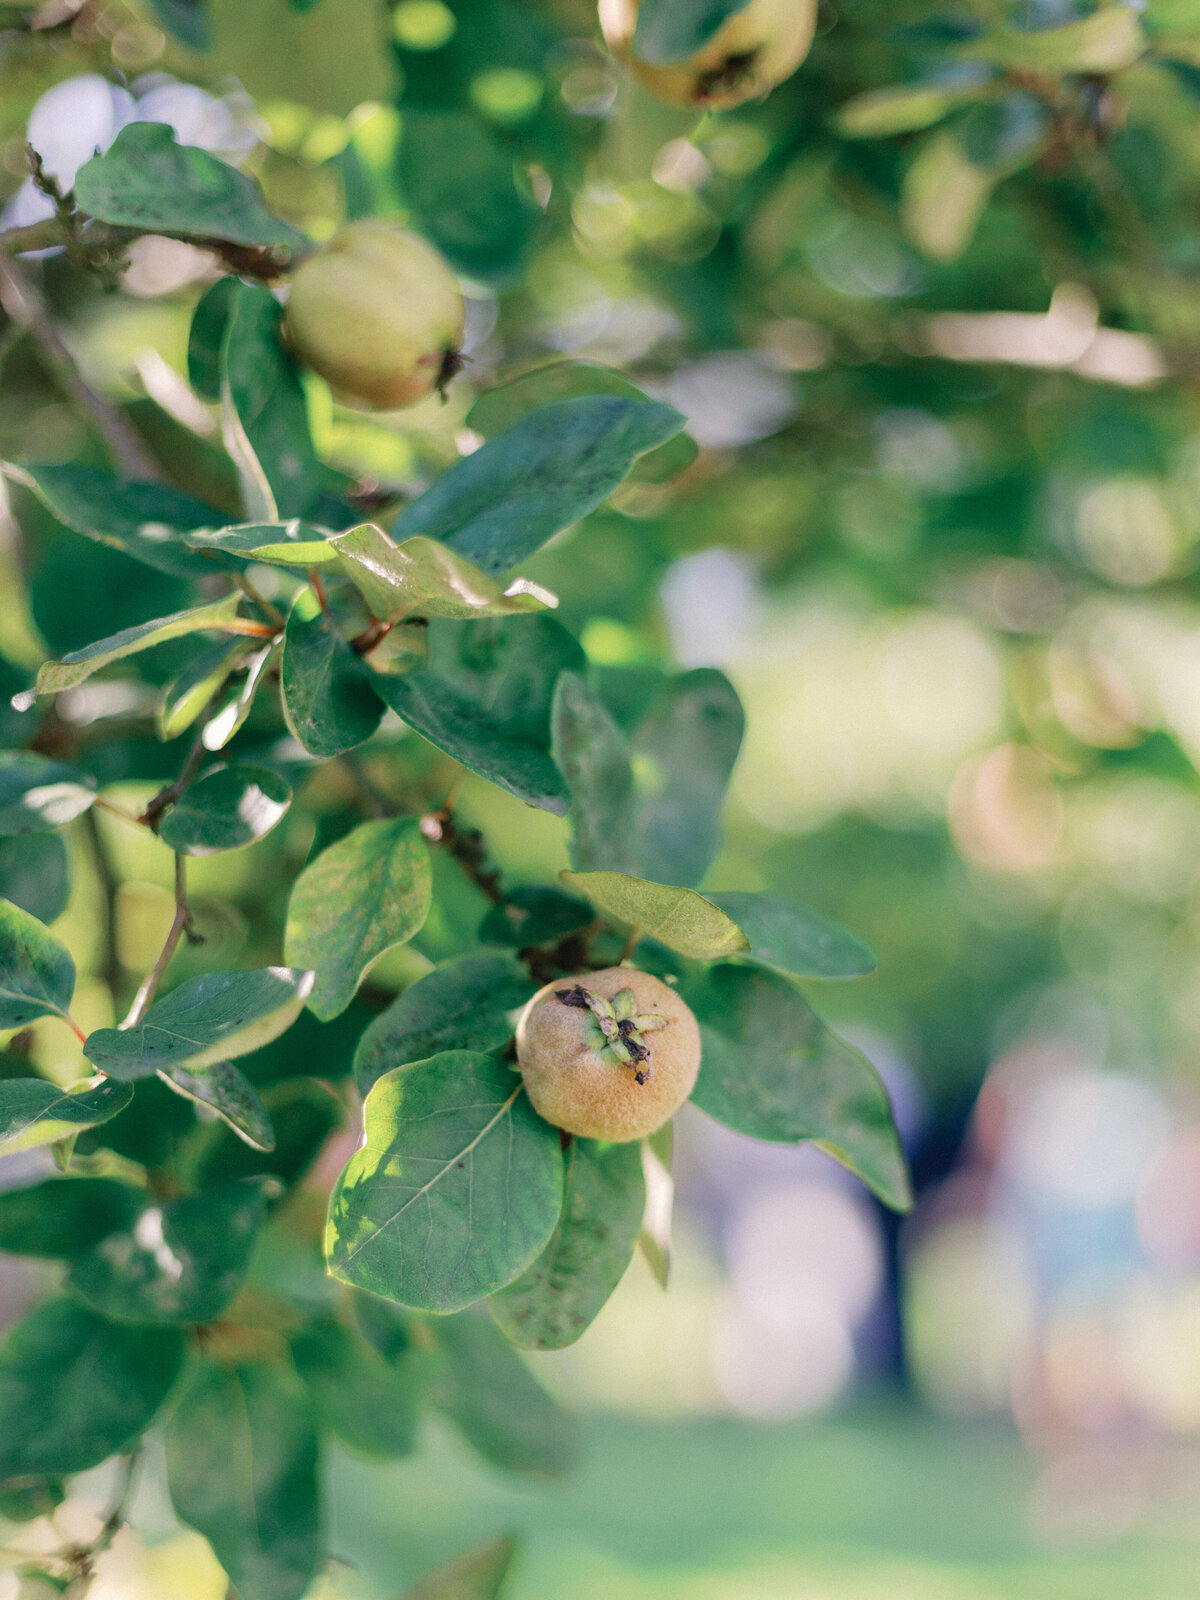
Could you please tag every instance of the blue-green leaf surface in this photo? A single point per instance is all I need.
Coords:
(34, 1112)
(37, 976)
(37, 795)
(329, 701)
(226, 808)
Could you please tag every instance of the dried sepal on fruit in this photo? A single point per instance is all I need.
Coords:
(608, 1055)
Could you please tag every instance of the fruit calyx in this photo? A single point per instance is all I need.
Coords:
(615, 1027)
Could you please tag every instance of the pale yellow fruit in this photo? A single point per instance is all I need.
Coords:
(590, 1093)
(749, 54)
(377, 312)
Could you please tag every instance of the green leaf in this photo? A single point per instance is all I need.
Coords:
(503, 1412)
(484, 697)
(498, 408)
(227, 808)
(679, 918)
(368, 1403)
(230, 1094)
(796, 939)
(366, 893)
(56, 1416)
(179, 1262)
(328, 699)
(145, 180)
(481, 1574)
(672, 30)
(237, 700)
(55, 676)
(37, 795)
(772, 1069)
(264, 412)
(279, 544)
(460, 181)
(34, 1112)
(1107, 41)
(943, 197)
(27, 1499)
(684, 750)
(593, 757)
(465, 1004)
(188, 20)
(553, 466)
(533, 915)
(301, 1114)
(456, 1190)
(65, 1217)
(900, 108)
(188, 696)
(213, 1018)
(424, 577)
(207, 335)
(242, 1470)
(142, 520)
(557, 1299)
(35, 875)
(37, 976)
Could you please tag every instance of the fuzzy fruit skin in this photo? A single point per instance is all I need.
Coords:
(592, 1095)
(774, 34)
(375, 312)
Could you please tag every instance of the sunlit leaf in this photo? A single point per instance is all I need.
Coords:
(366, 893)
(226, 809)
(424, 577)
(37, 795)
(213, 1018)
(679, 918)
(34, 1112)
(55, 676)
(222, 1088)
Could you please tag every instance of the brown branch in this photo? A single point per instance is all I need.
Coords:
(468, 848)
(180, 924)
(26, 304)
(170, 792)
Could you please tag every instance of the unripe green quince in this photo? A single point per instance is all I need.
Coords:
(378, 314)
(749, 54)
(608, 1055)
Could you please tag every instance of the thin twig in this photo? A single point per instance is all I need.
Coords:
(468, 848)
(179, 926)
(256, 597)
(170, 792)
(26, 304)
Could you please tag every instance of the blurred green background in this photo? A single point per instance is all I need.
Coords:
(941, 532)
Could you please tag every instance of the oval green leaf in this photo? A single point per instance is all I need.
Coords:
(37, 976)
(213, 1018)
(55, 676)
(366, 893)
(328, 701)
(772, 1069)
(796, 939)
(679, 918)
(558, 1298)
(37, 795)
(465, 1004)
(456, 1190)
(226, 809)
(424, 577)
(34, 1112)
(55, 1416)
